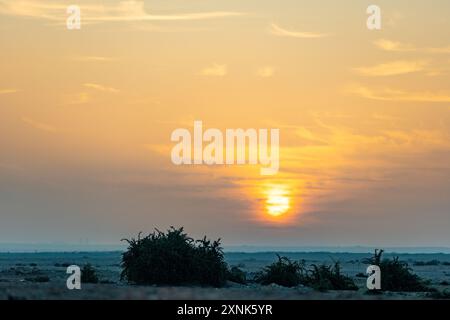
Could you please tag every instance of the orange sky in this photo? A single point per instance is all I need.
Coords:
(364, 118)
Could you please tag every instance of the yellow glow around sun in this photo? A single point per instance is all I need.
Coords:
(277, 202)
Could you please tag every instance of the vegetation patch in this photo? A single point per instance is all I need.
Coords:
(287, 273)
(283, 272)
(396, 275)
(89, 274)
(329, 277)
(173, 258)
(235, 274)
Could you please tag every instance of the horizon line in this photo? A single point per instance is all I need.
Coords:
(22, 247)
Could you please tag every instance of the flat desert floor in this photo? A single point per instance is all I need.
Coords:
(19, 271)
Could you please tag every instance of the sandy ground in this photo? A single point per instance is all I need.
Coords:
(17, 272)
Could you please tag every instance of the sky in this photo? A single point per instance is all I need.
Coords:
(86, 118)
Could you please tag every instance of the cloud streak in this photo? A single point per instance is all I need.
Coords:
(395, 46)
(388, 94)
(122, 11)
(100, 87)
(276, 30)
(7, 91)
(393, 68)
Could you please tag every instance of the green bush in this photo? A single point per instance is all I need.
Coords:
(283, 272)
(396, 275)
(329, 277)
(237, 275)
(173, 258)
(88, 274)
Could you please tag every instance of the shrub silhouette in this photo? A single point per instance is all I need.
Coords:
(396, 275)
(283, 272)
(287, 273)
(88, 274)
(237, 275)
(329, 277)
(173, 258)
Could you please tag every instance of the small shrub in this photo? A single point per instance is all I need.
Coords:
(289, 273)
(89, 274)
(446, 263)
(444, 283)
(283, 272)
(329, 277)
(173, 258)
(396, 275)
(237, 275)
(33, 265)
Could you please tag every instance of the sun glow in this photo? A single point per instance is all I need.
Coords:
(278, 202)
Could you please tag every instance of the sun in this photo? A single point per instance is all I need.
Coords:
(277, 202)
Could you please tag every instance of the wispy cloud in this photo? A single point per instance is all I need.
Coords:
(388, 45)
(100, 87)
(39, 125)
(387, 94)
(216, 70)
(8, 91)
(130, 10)
(266, 72)
(396, 46)
(281, 32)
(393, 68)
